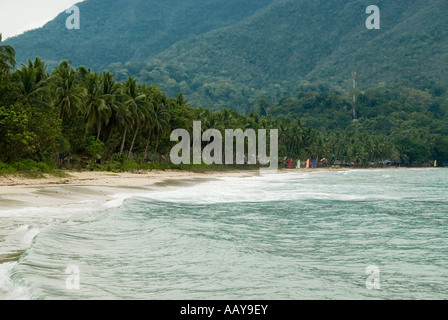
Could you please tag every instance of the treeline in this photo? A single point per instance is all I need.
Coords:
(405, 125)
(76, 118)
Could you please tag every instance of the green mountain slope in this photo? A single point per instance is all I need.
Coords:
(234, 53)
(128, 30)
(273, 52)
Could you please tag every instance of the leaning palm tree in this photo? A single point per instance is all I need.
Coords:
(69, 94)
(112, 95)
(158, 116)
(120, 114)
(7, 58)
(95, 102)
(161, 122)
(149, 127)
(138, 104)
(124, 120)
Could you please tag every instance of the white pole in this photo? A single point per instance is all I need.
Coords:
(354, 96)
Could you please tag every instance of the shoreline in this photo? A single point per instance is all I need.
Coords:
(18, 192)
(12, 184)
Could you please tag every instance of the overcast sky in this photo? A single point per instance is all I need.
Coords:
(17, 16)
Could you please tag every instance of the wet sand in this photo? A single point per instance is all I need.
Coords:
(78, 187)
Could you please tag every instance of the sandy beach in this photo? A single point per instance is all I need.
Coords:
(77, 187)
(17, 191)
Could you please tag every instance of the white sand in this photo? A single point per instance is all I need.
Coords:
(19, 192)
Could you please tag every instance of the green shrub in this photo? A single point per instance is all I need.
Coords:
(29, 168)
(6, 169)
(129, 166)
(94, 147)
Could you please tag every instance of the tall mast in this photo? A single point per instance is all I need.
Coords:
(354, 97)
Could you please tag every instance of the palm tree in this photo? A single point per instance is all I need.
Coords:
(95, 102)
(120, 116)
(69, 95)
(161, 122)
(32, 80)
(292, 136)
(125, 120)
(7, 58)
(158, 117)
(112, 95)
(149, 127)
(138, 106)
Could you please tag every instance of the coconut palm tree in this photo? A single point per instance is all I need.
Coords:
(69, 94)
(7, 58)
(157, 117)
(120, 116)
(161, 122)
(125, 120)
(95, 102)
(292, 136)
(113, 95)
(32, 80)
(138, 106)
(149, 127)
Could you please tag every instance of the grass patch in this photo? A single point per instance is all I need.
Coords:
(133, 166)
(58, 173)
(33, 170)
(30, 169)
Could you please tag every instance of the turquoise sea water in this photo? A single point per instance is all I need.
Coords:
(291, 235)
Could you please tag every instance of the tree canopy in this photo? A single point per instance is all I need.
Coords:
(75, 117)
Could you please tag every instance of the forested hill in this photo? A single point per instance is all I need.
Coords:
(229, 53)
(128, 30)
(291, 41)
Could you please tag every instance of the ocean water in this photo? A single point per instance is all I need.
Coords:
(293, 235)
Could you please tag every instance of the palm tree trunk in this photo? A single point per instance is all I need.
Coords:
(87, 129)
(157, 146)
(124, 140)
(145, 157)
(110, 133)
(132, 144)
(99, 130)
